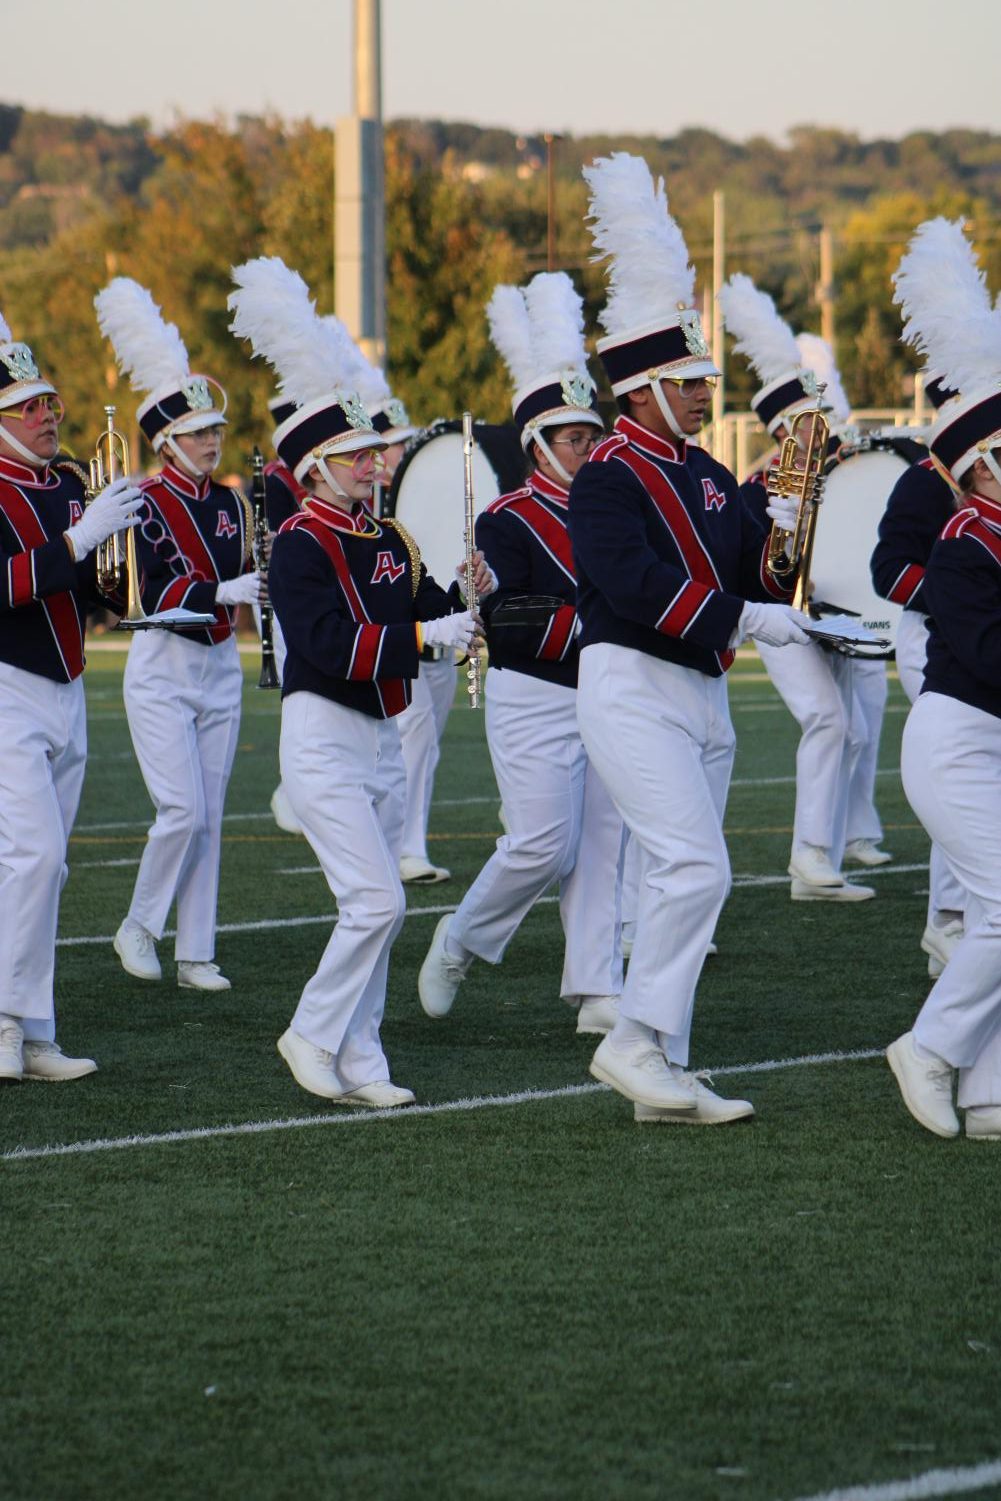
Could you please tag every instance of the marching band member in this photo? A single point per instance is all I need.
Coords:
(182, 691)
(355, 605)
(423, 721)
(920, 504)
(560, 823)
(951, 751)
(47, 580)
(671, 577)
(814, 683)
(283, 497)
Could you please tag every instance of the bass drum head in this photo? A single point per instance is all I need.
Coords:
(427, 495)
(856, 490)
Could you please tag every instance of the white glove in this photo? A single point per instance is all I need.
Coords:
(451, 630)
(775, 625)
(245, 590)
(784, 510)
(112, 511)
(484, 580)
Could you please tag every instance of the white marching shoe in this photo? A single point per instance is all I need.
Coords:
(814, 878)
(642, 1074)
(197, 974)
(311, 1066)
(415, 871)
(926, 1085)
(136, 948)
(46, 1060)
(440, 975)
(382, 1095)
(866, 852)
(983, 1122)
(282, 812)
(11, 1048)
(939, 944)
(597, 1014)
(710, 1109)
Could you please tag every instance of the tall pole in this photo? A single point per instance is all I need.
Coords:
(550, 205)
(825, 287)
(719, 351)
(359, 194)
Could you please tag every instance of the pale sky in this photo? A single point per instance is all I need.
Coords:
(741, 67)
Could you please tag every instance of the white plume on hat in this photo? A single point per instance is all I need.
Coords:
(817, 355)
(6, 337)
(762, 334)
(511, 332)
(272, 308)
(150, 351)
(539, 328)
(650, 275)
(948, 317)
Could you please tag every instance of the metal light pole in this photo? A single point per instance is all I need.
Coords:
(359, 194)
(719, 343)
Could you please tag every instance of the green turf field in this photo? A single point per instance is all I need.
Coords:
(520, 1299)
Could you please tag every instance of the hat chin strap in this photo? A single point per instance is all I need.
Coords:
(992, 464)
(185, 464)
(328, 479)
(665, 410)
(551, 458)
(26, 453)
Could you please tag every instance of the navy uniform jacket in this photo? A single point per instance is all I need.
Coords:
(525, 540)
(920, 504)
(665, 549)
(283, 494)
(754, 494)
(192, 534)
(346, 594)
(962, 588)
(43, 593)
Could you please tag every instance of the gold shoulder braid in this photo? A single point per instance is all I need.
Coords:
(75, 469)
(248, 523)
(412, 549)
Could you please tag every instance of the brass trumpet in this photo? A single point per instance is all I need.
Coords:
(799, 474)
(116, 558)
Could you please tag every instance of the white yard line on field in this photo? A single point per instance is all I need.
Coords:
(266, 923)
(932, 1483)
(407, 1112)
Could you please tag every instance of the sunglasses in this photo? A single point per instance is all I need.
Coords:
(688, 385)
(34, 412)
(363, 463)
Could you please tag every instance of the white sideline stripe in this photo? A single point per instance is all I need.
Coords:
(931, 1483)
(439, 802)
(447, 1107)
(266, 924)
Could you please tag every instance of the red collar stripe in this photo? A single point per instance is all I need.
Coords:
(184, 530)
(978, 530)
(559, 634)
(60, 609)
(906, 584)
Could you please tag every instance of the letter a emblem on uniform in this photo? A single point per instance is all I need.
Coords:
(386, 567)
(715, 499)
(225, 527)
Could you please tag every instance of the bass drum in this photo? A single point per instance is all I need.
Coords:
(856, 489)
(427, 495)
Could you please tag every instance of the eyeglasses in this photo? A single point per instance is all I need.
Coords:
(34, 412)
(362, 464)
(688, 385)
(582, 443)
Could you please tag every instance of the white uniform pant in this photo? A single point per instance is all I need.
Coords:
(561, 826)
(951, 768)
(945, 894)
(661, 739)
(42, 761)
(869, 691)
(815, 686)
(183, 705)
(343, 772)
(421, 725)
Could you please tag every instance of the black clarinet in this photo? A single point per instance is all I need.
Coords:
(258, 492)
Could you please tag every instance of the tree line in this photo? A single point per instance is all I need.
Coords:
(81, 200)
